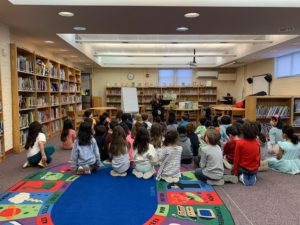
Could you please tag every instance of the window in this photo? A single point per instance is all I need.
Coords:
(181, 77)
(287, 65)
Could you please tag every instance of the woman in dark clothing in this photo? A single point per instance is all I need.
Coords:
(157, 109)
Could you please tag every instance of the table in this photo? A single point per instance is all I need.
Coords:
(194, 113)
(228, 110)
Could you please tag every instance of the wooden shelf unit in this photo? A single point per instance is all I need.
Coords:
(2, 145)
(43, 90)
(296, 114)
(253, 102)
(204, 95)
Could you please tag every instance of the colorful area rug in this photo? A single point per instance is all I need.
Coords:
(57, 196)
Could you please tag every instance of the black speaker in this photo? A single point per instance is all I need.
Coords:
(249, 80)
(268, 77)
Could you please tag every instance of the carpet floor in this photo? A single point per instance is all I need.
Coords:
(275, 199)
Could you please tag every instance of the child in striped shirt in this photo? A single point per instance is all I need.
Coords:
(170, 157)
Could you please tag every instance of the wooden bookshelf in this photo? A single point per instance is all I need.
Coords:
(261, 108)
(296, 114)
(2, 146)
(43, 90)
(204, 95)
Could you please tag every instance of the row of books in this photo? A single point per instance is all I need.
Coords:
(27, 102)
(63, 111)
(26, 84)
(42, 85)
(72, 99)
(54, 87)
(25, 64)
(42, 101)
(73, 87)
(54, 100)
(43, 116)
(25, 119)
(62, 74)
(1, 127)
(64, 99)
(63, 87)
(23, 137)
(297, 105)
(269, 111)
(297, 121)
(207, 99)
(40, 68)
(79, 107)
(55, 126)
(54, 113)
(53, 70)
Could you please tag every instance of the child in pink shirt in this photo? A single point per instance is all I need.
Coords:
(68, 135)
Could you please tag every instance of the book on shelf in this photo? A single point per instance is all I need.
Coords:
(64, 111)
(55, 126)
(72, 87)
(43, 116)
(25, 119)
(54, 87)
(71, 108)
(1, 150)
(79, 107)
(62, 74)
(42, 85)
(40, 68)
(27, 102)
(0, 105)
(268, 111)
(78, 88)
(1, 127)
(54, 100)
(296, 122)
(72, 99)
(297, 105)
(26, 84)
(53, 70)
(23, 137)
(54, 113)
(24, 64)
(63, 87)
(42, 101)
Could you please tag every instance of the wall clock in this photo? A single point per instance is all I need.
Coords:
(130, 76)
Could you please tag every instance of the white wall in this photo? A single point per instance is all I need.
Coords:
(6, 85)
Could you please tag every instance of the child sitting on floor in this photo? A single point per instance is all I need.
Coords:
(247, 154)
(211, 165)
(85, 153)
(144, 155)
(185, 143)
(146, 121)
(229, 146)
(68, 135)
(37, 153)
(89, 115)
(99, 136)
(225, 122)
(201, 129)
(118, 151)
(184, 120)
(275, 134)
(170, 156)
(287, 160)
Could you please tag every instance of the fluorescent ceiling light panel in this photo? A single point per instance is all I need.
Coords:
(186, 3)
(163, 55)
(174, 41)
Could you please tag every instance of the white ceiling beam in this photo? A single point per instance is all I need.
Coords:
(163, 55)
(173, 41)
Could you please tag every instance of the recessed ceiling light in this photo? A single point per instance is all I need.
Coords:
(66, 14)
(49, 42)
(79, 28)
(191, 15)
(182, 29)
(286, 29)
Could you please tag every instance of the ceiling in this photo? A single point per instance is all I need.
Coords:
(122, 36)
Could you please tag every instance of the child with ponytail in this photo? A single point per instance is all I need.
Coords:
(287, 160)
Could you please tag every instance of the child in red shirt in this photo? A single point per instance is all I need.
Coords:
(229, 146)
(247, 154)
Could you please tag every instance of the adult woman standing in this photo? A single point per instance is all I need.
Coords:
(156, 105)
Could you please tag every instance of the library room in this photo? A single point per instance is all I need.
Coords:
(149, 112)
